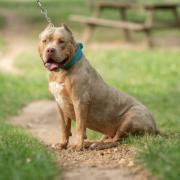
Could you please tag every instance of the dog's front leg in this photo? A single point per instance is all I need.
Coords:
(81, 110)
(64, 130)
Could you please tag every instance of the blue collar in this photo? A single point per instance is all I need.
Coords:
(77, 56)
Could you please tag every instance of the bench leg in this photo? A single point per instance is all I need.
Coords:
(127, 33)
(149, 25)
(177, 17)
(148, 38)
(88, 33)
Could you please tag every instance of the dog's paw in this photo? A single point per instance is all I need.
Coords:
(93, 146)
(77, 147)
(59, 146)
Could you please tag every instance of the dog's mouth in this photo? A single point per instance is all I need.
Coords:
(52, 65)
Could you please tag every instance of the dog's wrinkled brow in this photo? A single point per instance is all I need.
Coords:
(47, 33)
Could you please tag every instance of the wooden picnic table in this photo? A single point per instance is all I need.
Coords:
(147, 26)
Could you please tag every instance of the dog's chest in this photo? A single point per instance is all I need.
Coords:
(58, 89)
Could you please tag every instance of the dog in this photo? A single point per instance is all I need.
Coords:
(83, 96)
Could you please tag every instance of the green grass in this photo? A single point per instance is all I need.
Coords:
(21, 156)
(161, 156)
(2, 21)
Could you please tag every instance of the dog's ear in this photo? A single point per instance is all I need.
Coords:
(69, 31)
(66, 28)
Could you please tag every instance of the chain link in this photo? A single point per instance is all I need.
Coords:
(44, 12)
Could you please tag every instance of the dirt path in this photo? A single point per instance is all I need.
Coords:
(41, 119)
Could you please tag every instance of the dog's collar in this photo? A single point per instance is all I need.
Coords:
(77, 56)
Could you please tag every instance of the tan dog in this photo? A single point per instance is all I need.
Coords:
(83, 96)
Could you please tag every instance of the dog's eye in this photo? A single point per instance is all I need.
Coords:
(44, 41)
(61, 41)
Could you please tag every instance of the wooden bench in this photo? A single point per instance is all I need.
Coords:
(147, 26)
(92, 22)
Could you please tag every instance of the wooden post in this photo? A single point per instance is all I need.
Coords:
(89, 29)
(177, 17)
(149, 26)
(91, 4)
(148, 38)
(127, 34)
(88, 33)
(97, 11)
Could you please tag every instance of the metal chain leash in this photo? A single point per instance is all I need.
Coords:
(44, 12)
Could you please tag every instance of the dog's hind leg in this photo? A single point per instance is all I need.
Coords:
(97, 145)
(122, 132)
(104, 143)
(104, 138)
(68, 125)
(89, 143)
(137, 121)
(85, 136)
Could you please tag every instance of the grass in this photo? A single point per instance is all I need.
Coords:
(161, 156)
(2, 21)
(22, 156)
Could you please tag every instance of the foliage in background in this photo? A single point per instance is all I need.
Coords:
(2, 44)
(2, 21)
(60, 11)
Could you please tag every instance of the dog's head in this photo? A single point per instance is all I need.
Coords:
(56, 47)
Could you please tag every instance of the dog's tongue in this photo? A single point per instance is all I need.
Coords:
(51, 66)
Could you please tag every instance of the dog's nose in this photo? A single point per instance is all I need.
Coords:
(50, 50)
